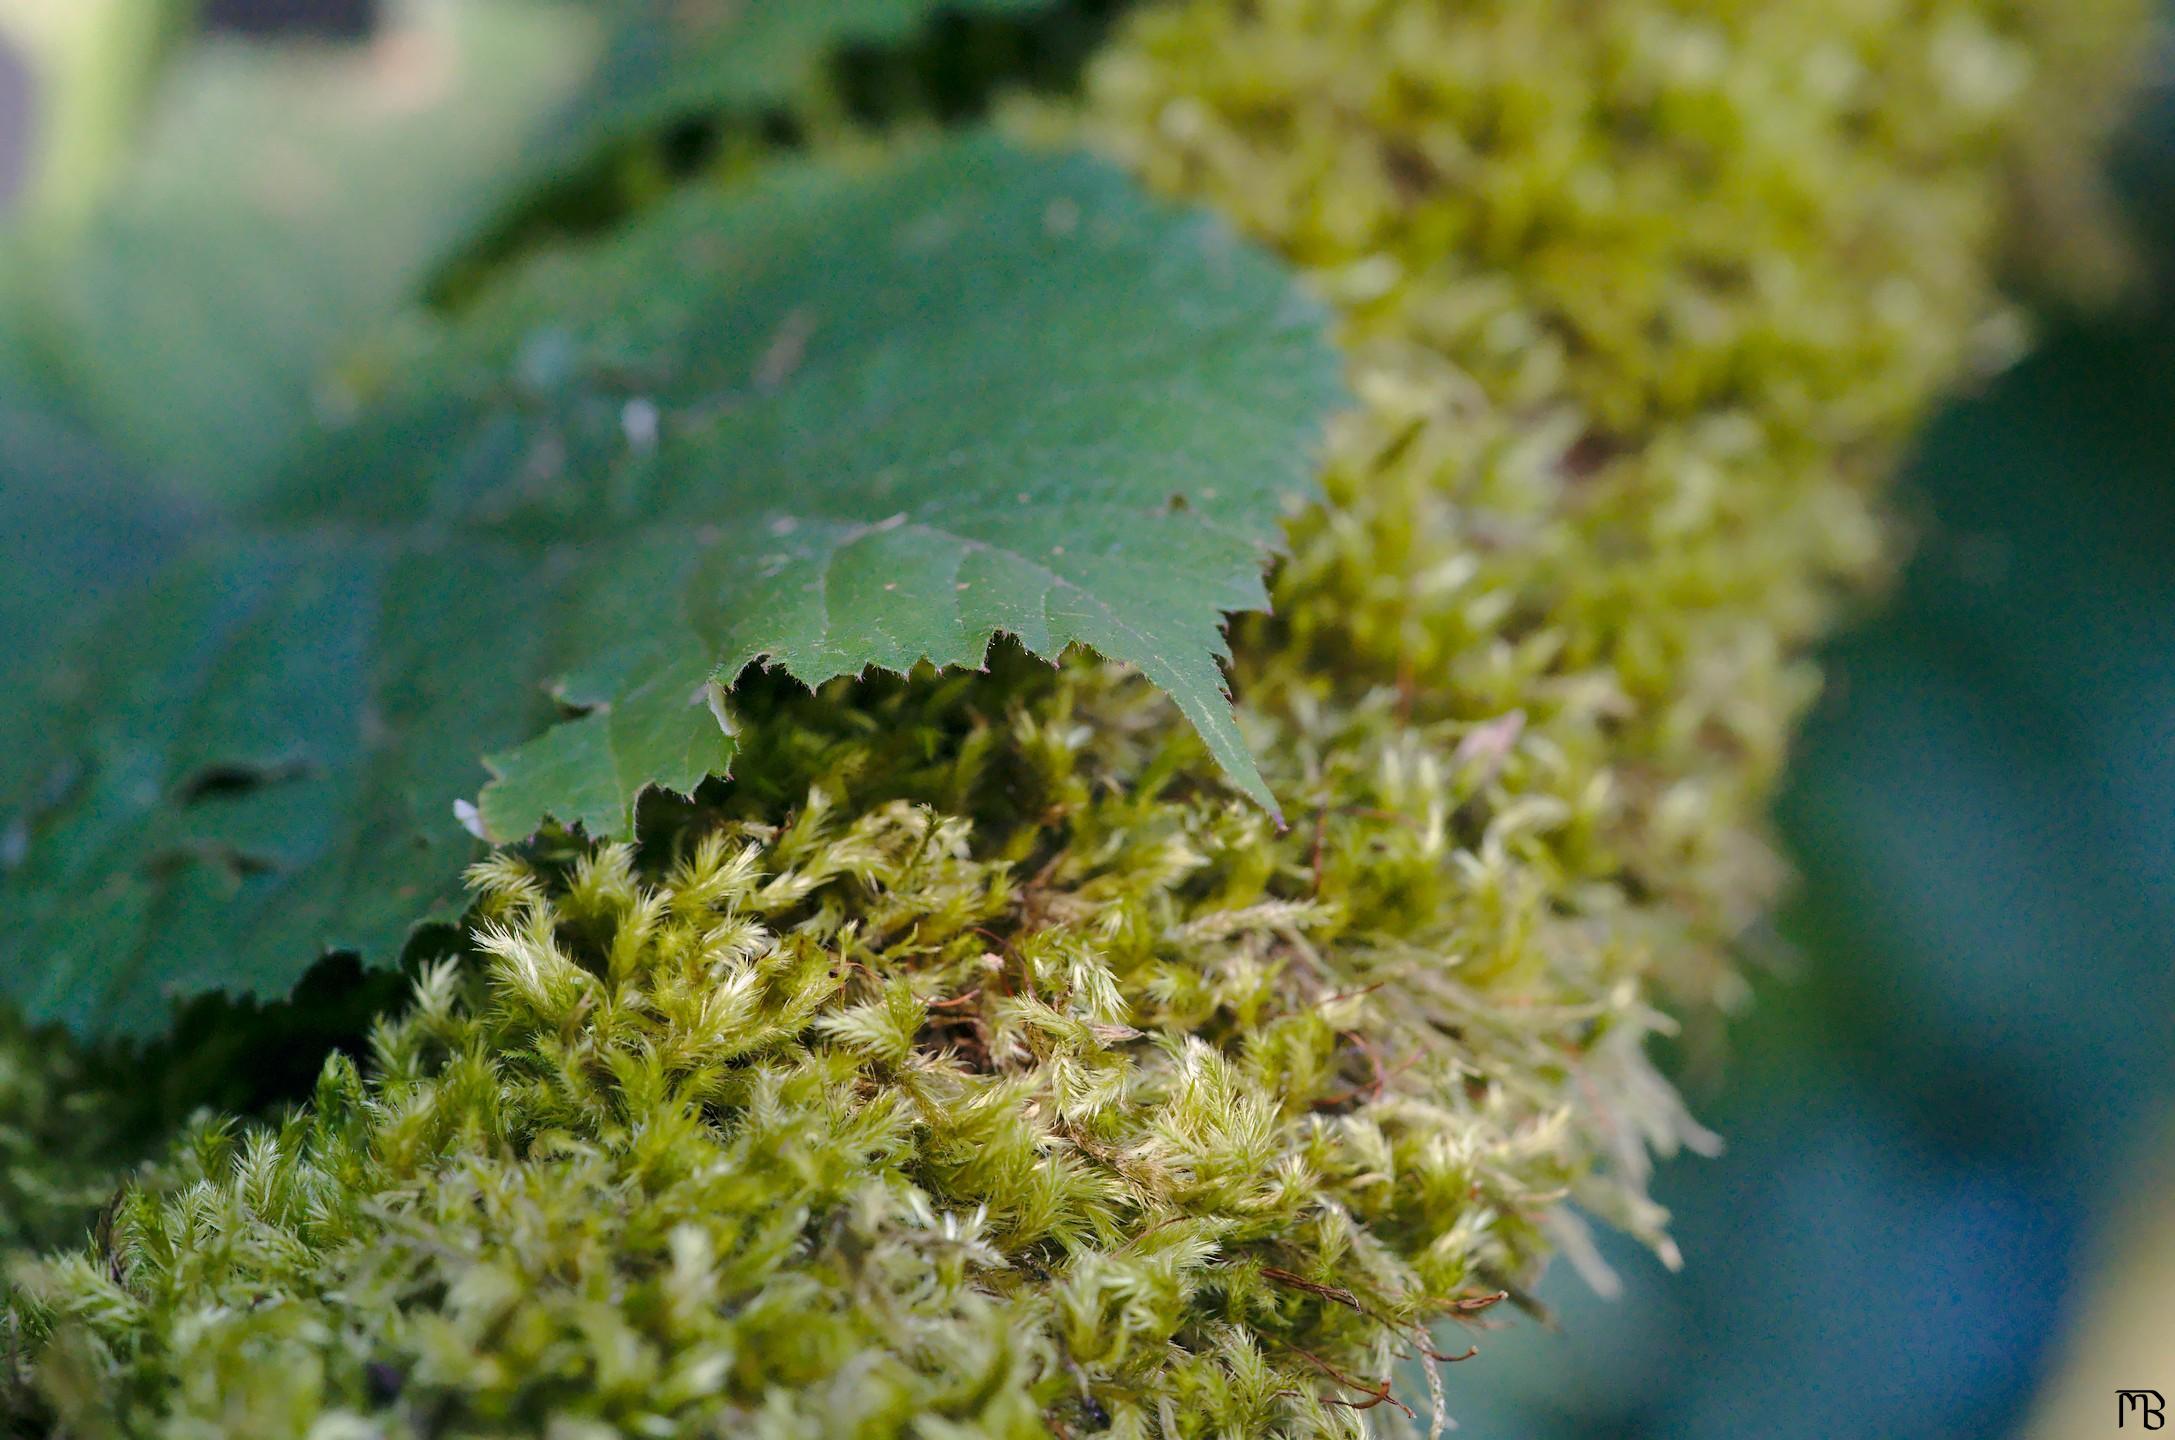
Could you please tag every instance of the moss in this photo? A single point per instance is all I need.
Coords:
(793, 1135)
(58, 1153)
(1643, 300)
(975, 1063)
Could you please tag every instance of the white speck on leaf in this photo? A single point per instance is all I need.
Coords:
(713, 695)
(470, 817)
(638, 422)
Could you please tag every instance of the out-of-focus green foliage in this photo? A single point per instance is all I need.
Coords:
(201, 243)
(284, 202)
(670, 61)
(82, 76)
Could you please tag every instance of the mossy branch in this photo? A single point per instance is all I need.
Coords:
(973, 1064)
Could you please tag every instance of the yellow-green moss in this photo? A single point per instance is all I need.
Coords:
(1643, 300)
(974, 1063)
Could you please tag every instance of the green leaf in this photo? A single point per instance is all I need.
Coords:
(827, 421)
(77, 530)
(672, 60)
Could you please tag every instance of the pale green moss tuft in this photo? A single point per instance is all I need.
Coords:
(832, 1128)
(974, 1063)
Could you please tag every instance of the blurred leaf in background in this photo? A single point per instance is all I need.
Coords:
(672, 60)
(187, 295)
(198, 233)
(80, 78)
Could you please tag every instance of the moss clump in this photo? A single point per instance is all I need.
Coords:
(834, 1128)
(974, 1063)
(1642, 301)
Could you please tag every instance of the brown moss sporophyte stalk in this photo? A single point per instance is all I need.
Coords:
(975, 1062)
